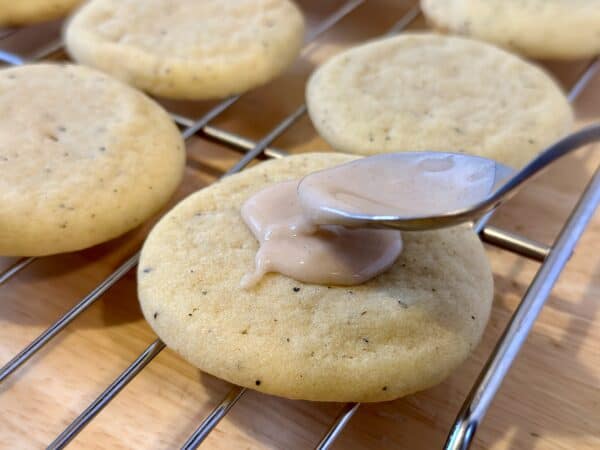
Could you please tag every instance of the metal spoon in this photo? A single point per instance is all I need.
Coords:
(506, 183)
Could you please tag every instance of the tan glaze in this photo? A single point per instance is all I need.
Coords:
(397, 185)
(290, 244)
(303, 235)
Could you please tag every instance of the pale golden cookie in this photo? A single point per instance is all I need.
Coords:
(560, 29)
(188, 49)
(401, 332)
(433, 92)
(24, 12)
(83, 158)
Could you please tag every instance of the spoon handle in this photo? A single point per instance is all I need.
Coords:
(566, 145)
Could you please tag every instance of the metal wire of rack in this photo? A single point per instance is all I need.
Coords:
(552, 258)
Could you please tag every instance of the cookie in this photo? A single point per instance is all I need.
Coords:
(25, 12)
(188, 49)
(402, 331)
(83, 159)
(558, 29)
(432, 92)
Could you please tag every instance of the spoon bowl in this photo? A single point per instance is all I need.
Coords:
(504, 183)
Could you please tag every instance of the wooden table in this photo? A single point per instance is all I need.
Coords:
(550, 399)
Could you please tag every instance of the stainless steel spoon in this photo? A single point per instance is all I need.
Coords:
(506, 183)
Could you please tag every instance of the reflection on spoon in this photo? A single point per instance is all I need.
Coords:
(463, 206)
(412, 184)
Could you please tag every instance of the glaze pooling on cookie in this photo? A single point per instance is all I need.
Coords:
(424, 91)
(302, 230)
(188, 49)
(291, 245)
(404, 330)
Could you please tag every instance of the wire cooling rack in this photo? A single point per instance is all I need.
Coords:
(552, 259)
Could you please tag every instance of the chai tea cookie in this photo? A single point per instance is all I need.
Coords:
(403, 331)
(432, 92)
(559, 29)
(83, 158)
(188, 49)
(24, 12)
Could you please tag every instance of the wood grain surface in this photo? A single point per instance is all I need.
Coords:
(549, 400)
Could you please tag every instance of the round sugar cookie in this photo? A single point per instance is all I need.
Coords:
(188, 49)
(433, 92)
(25, 12)
(401, 332)
(559, 29)
(83, 159)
